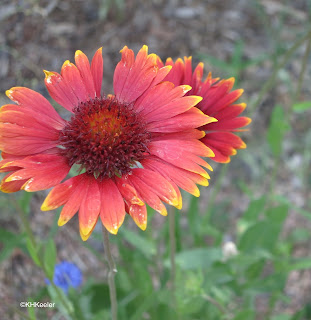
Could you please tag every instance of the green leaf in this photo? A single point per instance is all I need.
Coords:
(33, 252)
(282, 316)
(146, 247)
(31, 311)
(9, 241)
(197, 258)
(300, 235)
(301, 106)
(245, 315)
(277, 129)
(300, 264)
(277, 214)
(24, 202)
(255, 208)
(262, 235)
(61, 300)
(49, 257)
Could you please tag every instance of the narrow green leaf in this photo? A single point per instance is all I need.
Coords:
(61, 300)
(33, 252)
(302, 106)
(300, 264)
(31, 311)
(245, 315)
(255, 208)
(277, 129)
(197, 258)
(146, 247)
(49, 257)
(9, 242)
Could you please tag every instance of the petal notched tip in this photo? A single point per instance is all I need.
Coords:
(124, 49)
(46, 207)
(85, 236)
(9, 93)
(179, 205)
(48, 73)
(196, 193)
(186, 88)
(142, 225)
(163, 211)
(62, 221)
(113, 230)
(144, 48)
(79, 53)
(66, 63)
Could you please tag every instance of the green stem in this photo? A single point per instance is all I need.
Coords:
(277, 162)
(215, 191)
(269, 83)
(171, 219)
(215, 303)
(23, 315)
(111, 274)
(32, 238)
(303, 68)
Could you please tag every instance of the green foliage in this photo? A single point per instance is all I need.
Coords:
(277, 129)
(301, 107)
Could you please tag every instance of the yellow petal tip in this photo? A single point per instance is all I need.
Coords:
(61, 221)
(78, 53)
(9, 93)
(48, 73)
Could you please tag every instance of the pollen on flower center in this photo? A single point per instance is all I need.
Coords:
(104, 137)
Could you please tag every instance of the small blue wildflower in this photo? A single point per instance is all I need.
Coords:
(66, 274)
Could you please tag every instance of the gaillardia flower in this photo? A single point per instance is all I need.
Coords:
(218, 102)
(129, 149)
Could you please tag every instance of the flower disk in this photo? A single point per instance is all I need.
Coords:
(105, 137)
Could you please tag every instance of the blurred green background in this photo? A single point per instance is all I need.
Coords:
(243, 249)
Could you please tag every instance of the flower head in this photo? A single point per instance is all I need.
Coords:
(218, 102)
(136, 147)
(66, 274)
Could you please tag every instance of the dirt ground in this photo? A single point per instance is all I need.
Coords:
(41, 34)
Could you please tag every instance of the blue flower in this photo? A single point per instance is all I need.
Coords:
(66, 274)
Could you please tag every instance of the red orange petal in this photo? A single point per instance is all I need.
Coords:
(192, 118)
(89, 207)
(128, 192)
(97, 69)
(12, 186)
(147, 194)
(34, 101)
(158, 184)
(137, 77)
(83, 64)
(43, 171)
(60, 90)
(60, 194)
(72, 76)
(112, 211)
(139, 215)
(72, 205)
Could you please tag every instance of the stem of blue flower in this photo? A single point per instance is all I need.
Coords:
(112, 271)
(32, 238)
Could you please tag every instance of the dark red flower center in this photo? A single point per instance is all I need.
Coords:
(104, 137)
